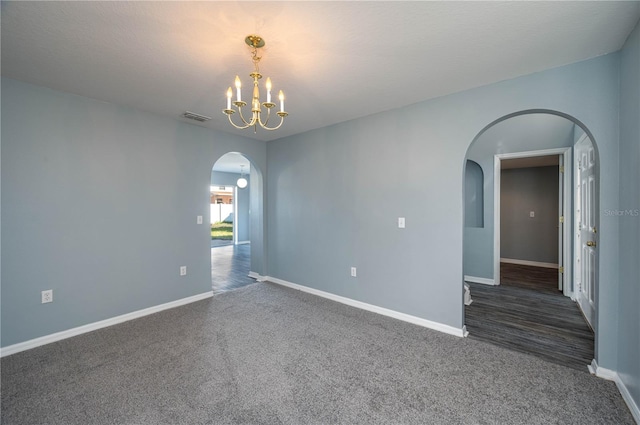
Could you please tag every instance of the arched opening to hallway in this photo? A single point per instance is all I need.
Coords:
(531, 273)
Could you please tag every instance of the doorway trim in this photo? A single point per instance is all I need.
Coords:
(567, 213)
(236, 215)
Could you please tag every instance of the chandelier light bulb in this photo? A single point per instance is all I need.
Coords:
(268, 85)
(238, 85)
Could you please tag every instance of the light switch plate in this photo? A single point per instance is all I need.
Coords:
(401, 222)
(199, 219)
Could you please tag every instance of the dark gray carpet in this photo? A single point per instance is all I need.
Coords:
(264, 354)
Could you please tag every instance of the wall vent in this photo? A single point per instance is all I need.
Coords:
(195, 117)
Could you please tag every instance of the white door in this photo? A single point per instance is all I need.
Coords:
(586, 232)
(561, 222)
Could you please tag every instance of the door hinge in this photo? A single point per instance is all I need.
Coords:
(561, 269)
(562, 168)
(561, 219)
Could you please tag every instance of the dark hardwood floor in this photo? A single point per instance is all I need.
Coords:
(540, 279)
(527, 313)
(230, 266)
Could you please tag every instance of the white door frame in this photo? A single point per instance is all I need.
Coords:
(235, 215)
(566, 208)
(561, 247)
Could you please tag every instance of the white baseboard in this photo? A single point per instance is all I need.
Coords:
(483, 280)
(626, 396)
(257, 276)
(612, 375)
(243, 242)
(529, 263)
(375, 309)
(601, 372)
(48, 339)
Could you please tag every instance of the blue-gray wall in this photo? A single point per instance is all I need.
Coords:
(243, 214)
(219, 178)
(473, 195)
(629, 225)
(335, 194)
(522, 237)
(100, 204)
(257, 211)
(522, 133)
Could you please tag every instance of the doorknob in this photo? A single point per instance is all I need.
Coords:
(591, 243)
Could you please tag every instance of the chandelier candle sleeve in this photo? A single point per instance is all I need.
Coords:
(281, 97)
(229, 96)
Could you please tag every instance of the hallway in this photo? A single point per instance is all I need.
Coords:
(527, 313)
(230, 266)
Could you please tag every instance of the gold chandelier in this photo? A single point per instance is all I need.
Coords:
(255, 42)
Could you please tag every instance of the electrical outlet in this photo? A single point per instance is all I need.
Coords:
(354, 272)
(401, 222)
(47, 296)
(183, 270)
(199, 219)
(532, 214)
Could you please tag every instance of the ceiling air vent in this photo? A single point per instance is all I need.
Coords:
(195, 117)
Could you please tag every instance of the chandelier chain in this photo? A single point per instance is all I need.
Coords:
(256, 59)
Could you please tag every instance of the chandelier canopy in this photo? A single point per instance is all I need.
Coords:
(256, 42)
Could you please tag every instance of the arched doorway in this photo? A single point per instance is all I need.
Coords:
(531, 148)
(236, 193)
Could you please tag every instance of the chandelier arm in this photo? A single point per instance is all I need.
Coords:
(237, 126)
(264, 124)
(254, 118)
(242, 117)
(273, 128)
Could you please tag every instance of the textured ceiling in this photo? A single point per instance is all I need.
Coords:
(334, 60)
